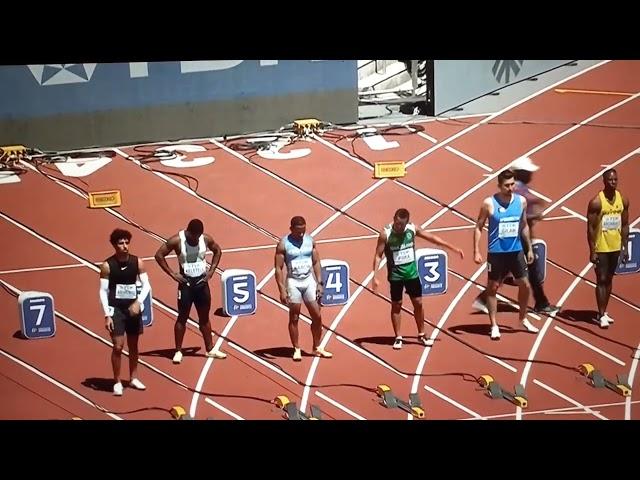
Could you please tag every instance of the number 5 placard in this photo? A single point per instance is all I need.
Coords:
(239, 296)
(432, 268)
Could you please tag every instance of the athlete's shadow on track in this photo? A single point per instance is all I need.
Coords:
(501, 308)
(168, 352)
(278, 352)
(101, 384)
(386, 340)
(483, 329)
(576, 317)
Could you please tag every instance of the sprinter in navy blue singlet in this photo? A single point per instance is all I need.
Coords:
(508, 230)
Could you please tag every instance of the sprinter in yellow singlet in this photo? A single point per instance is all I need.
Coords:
(608, 236)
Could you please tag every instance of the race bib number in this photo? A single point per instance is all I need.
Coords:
(508, 229)
(403, 256)
(126, 292)
(195, 269)
(611, 222)
(301, 266)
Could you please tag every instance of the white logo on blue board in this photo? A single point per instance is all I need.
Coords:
(59, 74)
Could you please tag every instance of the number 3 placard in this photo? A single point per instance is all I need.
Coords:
(432, 268)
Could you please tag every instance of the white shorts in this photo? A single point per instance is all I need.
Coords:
(299, 289)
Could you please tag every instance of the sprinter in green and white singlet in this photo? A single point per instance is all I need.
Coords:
(400, 253)
(397, 242)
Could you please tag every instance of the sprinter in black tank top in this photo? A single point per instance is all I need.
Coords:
(122, 305)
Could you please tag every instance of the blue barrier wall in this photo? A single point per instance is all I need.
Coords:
(36, 90)
(67, 92)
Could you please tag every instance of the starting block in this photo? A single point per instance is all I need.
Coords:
(306, 126)
(291, 409)
(389, 400)
(180, 413)
(517, 397)
(14, 150)
(620, 386)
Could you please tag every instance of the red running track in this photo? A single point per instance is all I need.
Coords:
(246, 200)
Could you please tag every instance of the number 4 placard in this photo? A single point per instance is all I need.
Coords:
(335, 275)
(37, 319)
(432, 268)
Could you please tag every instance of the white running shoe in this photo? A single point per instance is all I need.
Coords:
(480, 306)
(297, 355)
(495, 332)
(216, 353)
(427, 342)
(137, 384)
(321, 352)
(118, 389)
(177, 357)
(530, 328)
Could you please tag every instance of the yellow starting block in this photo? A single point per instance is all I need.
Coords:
(179, 413)
(306, 126)
(620, 386)
(389, 400)
(389, 170)
(14, 149)
(291, 409)
(517, 397)
(105, 199)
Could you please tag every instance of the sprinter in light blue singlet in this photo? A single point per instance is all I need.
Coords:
(508, 230)
(303, 282)
(298, 258)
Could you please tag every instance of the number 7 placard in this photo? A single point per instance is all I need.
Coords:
(37, 315)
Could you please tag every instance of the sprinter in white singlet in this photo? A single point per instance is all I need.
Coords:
(191, 246)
